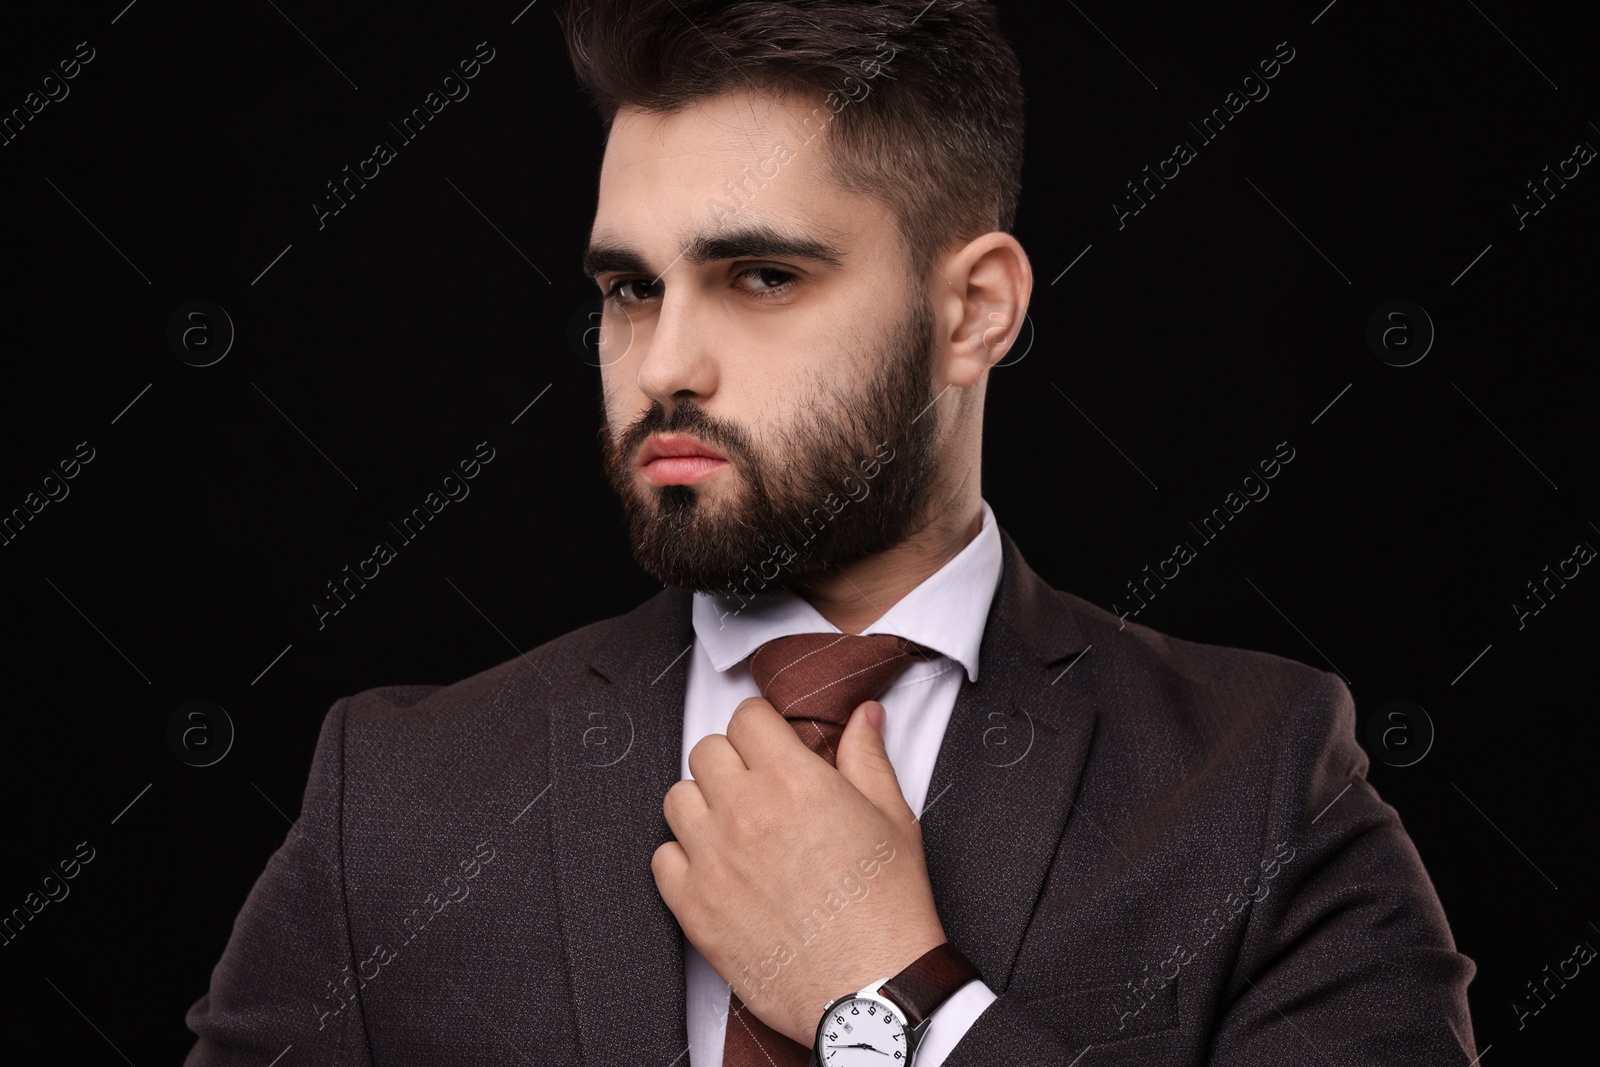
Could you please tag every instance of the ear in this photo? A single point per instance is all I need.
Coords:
(985, 290)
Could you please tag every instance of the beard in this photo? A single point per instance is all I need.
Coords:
(848, 477)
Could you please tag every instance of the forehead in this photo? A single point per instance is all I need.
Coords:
(738, 158)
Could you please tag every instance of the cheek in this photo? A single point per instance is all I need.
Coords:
(621, 396)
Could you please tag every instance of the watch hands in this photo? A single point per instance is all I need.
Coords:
(862, 1044)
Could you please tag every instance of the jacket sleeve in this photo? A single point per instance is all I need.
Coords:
(1346, 956)
(287, 977)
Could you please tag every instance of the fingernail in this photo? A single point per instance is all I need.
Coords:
(875, 715)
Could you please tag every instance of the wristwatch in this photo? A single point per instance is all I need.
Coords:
(882, 1025)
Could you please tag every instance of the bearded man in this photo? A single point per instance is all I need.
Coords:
(857, 786)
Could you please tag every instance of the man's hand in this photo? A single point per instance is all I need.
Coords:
(797, 882)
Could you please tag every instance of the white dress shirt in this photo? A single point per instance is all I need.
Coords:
(945, 613)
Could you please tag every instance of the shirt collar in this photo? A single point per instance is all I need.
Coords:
(945, 613)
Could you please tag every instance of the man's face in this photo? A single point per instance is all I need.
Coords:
(764, 317)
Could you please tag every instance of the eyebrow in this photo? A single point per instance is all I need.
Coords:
(752, 241)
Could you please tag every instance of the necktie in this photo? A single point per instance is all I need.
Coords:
(815, 681)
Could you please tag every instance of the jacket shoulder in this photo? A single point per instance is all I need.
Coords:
(548, 674)
(1212, 685)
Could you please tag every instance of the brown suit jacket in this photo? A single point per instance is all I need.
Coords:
(1164, 850)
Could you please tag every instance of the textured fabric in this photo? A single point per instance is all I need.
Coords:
(1176, 858)
(948, 612)
(814, 681)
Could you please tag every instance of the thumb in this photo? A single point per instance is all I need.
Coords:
(864, 761)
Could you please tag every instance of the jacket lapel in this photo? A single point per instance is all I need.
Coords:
(1008, 768)
(614, 752)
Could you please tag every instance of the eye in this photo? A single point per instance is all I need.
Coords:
(784, 280)
(614, 290)
(770, 282)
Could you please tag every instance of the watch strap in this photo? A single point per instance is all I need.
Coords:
(930, 980)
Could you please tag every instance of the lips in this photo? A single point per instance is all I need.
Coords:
(675, 446)
(673, 459)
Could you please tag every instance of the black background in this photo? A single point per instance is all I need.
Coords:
(375, 353)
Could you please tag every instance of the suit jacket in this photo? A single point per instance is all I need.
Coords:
(1162, 849)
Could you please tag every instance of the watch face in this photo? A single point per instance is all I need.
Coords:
(858, 1032)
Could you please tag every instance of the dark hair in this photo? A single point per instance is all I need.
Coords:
(927, 97)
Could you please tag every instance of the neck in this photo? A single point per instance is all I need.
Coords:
(861, 593)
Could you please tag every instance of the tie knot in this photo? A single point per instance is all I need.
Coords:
(816, 680)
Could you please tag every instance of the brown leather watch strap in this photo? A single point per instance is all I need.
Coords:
(929, 981)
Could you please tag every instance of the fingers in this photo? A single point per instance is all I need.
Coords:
(864, 762)
(761, 736)
(685, 809)
(670, 866)
(715, 764)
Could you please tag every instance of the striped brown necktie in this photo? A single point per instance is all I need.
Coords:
(815, 681)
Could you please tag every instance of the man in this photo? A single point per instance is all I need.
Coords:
(1035, 830)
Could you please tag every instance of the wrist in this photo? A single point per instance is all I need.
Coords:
(891, 1014)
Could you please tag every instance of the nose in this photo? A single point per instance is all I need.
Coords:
(675, 350)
